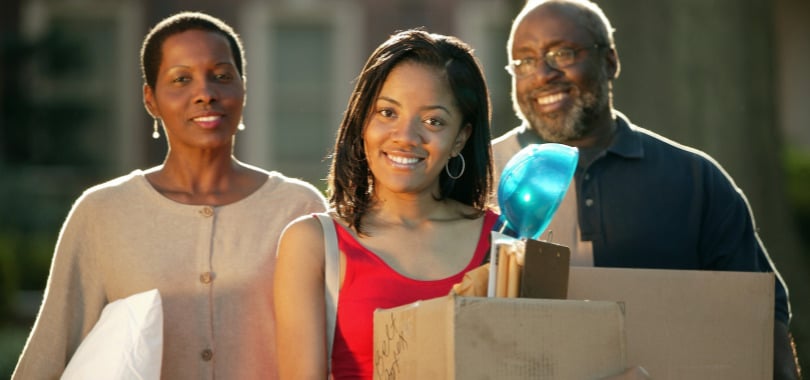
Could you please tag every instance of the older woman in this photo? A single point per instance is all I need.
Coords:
(202, 227)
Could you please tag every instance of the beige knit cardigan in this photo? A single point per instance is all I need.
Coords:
(213, 267)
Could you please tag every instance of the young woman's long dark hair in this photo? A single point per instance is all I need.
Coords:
(349, 175)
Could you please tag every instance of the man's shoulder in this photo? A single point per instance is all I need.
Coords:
(510, 142)
(510, 137)
(654, 143)
(671, 146)
(651, 139)
(505, 146)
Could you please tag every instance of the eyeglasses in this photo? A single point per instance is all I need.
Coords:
(554, 58)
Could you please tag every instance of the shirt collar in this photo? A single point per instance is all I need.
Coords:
(626, 143)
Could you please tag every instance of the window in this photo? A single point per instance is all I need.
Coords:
(301, 65)
(79, 84)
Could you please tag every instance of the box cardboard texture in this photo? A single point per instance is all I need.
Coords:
(684, 324)
(680, 324)
(457, 337)
(677, 324)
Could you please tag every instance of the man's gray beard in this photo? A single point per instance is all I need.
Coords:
(563, 127)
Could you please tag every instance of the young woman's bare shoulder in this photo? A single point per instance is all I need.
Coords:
(303, 236)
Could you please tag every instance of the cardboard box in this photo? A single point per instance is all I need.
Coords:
(689, 324)
(457, 337)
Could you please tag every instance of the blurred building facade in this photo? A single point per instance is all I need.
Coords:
(302, 59)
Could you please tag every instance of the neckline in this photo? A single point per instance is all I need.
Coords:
(488, 220)
(140, 178)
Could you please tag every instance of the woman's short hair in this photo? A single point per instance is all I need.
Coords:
(151, 49)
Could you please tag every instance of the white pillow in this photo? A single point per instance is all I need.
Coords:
(125, 343)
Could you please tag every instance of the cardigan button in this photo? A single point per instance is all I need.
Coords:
(207, 211)
(589, 202)
(206, 277)
(207, 354)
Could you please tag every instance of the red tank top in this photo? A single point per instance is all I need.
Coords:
(369, 283)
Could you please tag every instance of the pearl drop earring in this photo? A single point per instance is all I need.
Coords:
(155, 133)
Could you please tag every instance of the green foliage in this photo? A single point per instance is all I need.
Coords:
(8, 272)
(25, 260)
(797, 169)
(34, 260)
(12, 340)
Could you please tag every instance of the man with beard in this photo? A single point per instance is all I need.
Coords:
(638, 200)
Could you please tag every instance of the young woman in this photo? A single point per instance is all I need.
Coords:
(202, 227)
(409, 182)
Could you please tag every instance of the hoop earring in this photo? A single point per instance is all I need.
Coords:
(460, 173)
(155, 133)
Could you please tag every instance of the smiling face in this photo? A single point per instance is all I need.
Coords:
(199, 93)
(561, 104)
(414, 128)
